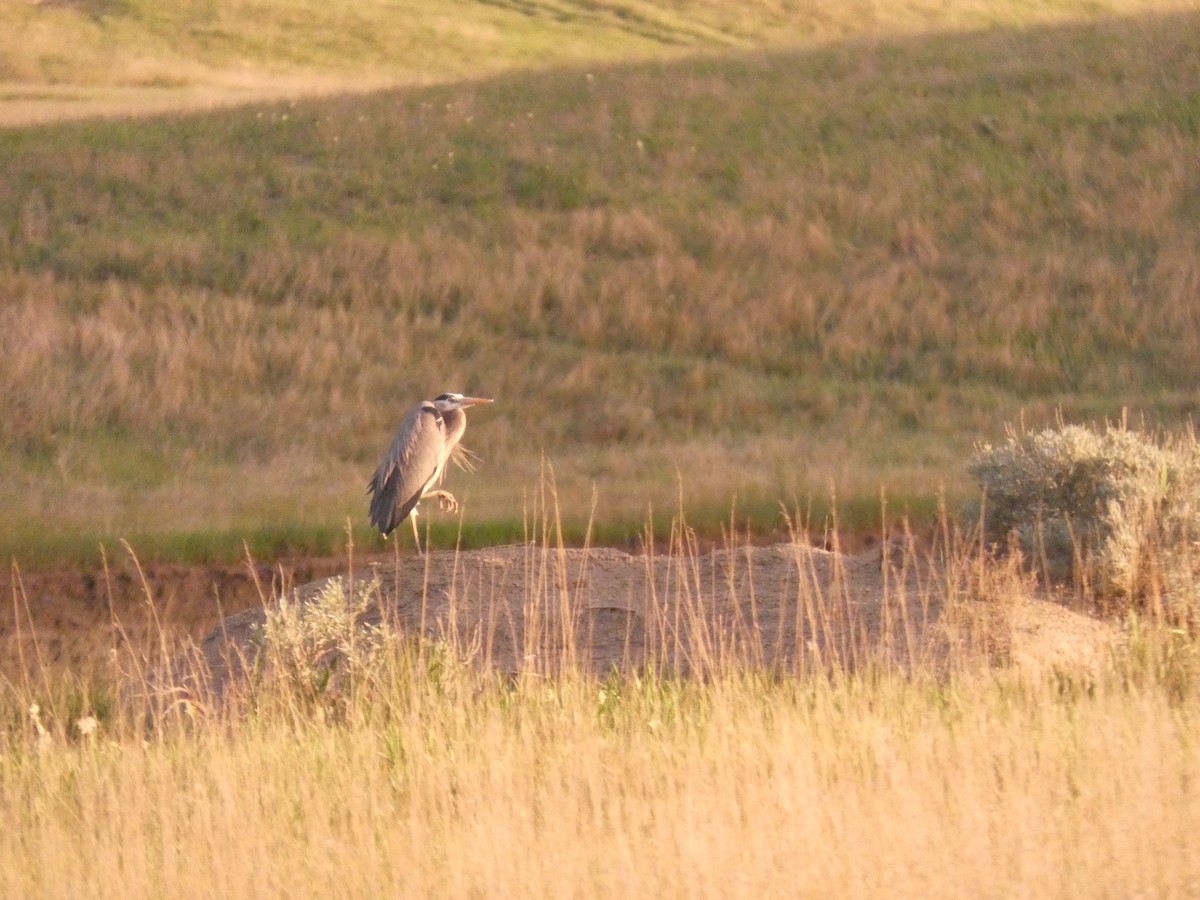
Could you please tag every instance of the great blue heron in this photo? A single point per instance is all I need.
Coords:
(416, 461)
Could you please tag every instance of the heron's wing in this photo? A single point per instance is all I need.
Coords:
(411, 462)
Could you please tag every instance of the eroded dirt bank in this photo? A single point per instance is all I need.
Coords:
(516, 607)
(786, 607)
(75, 618)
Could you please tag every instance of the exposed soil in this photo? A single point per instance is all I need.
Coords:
(74, 619)
(785, 606)
(521, 607)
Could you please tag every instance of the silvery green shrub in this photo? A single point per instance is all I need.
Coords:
(1114, 506)
(310, 643)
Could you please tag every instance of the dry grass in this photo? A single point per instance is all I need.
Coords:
(986, 786)
(410, 772)
(775, 273)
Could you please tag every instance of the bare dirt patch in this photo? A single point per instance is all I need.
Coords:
(787, 606)
(523, 607)
(74, 619)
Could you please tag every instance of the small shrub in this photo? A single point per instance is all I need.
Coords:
(1116, 507)
(335, 653)
(315, 644)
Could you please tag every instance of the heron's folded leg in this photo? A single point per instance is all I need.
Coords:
(445, 499)
(416, 537)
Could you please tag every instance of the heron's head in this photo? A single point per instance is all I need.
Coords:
(447, 402)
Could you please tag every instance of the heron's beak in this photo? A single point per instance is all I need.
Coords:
(473, 401)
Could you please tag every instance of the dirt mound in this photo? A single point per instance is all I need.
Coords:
(525, 607)
(522, 608)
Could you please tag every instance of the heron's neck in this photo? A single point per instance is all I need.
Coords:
(456, 423)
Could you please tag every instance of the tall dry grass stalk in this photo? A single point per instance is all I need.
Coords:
(355, 762)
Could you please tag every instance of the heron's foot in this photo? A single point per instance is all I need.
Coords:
(445, 499)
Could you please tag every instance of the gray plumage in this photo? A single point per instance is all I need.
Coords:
(416, 461)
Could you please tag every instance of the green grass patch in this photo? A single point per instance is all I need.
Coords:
(34, 548)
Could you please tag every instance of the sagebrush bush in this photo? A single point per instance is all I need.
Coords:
(1117, 508)
(334, 650)
(314, 644)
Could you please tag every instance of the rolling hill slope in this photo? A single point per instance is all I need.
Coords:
(763, 273)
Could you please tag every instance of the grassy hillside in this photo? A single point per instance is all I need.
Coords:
(65, 58)
(761, 274)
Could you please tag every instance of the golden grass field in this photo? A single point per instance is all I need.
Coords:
(749, 283)
(934, 724)
(734, 788)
